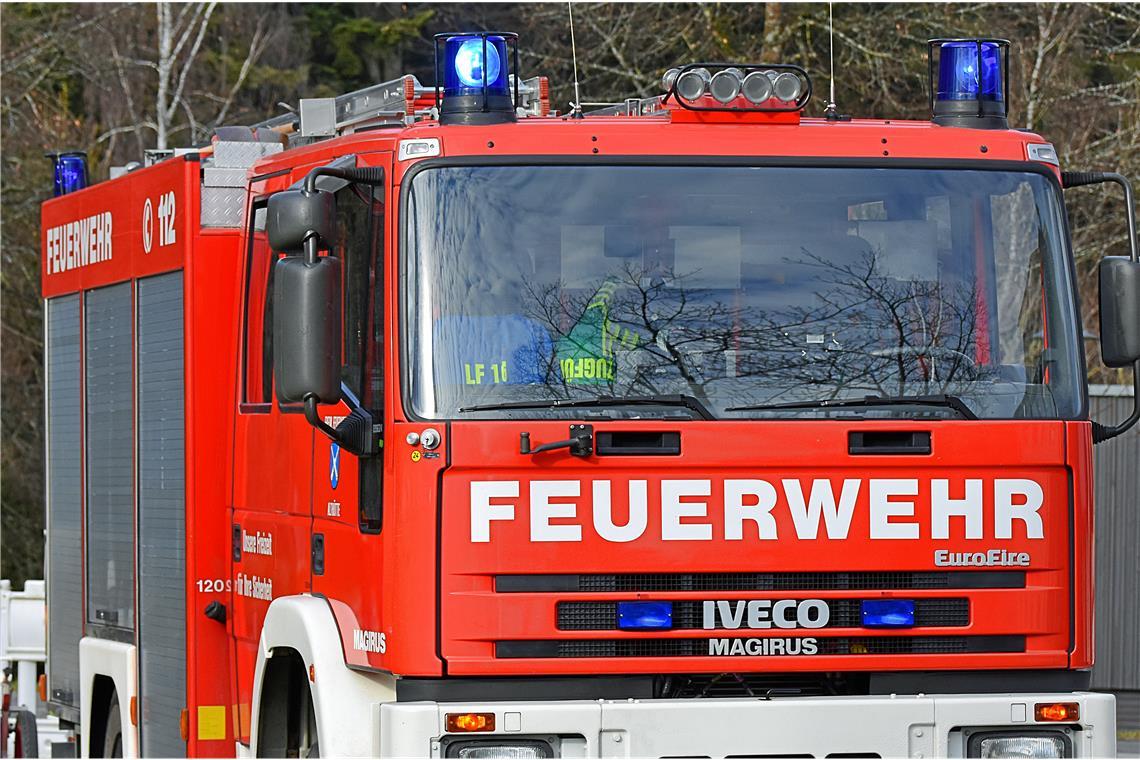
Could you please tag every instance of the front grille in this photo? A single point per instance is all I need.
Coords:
(751, 685)
(845, 645)
(845, 613)
(728, 582)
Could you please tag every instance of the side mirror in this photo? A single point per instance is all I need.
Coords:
(294, 216)
(1119, 311)
(307, 329)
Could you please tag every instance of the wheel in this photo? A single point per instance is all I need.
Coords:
(113, 733)
(287, 726)
(27, 742)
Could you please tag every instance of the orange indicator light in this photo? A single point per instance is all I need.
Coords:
(1056, 712)
(471, 721)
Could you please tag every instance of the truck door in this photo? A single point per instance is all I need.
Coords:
(346, 506)
(272, 484)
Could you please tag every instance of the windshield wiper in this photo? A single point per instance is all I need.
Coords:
(941, 399)
(683, 400)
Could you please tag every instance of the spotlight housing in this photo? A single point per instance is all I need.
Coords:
(738, 87)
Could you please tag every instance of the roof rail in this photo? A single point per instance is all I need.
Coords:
(391, 102)
(401, 101)
(631, 107)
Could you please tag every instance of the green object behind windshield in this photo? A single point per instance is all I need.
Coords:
(588, 353)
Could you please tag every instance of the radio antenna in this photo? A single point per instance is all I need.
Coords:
(576, 106)
(831, 112)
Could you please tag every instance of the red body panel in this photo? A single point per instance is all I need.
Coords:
(475, 616)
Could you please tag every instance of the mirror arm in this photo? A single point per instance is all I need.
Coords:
(1077, 179)
(1101, 432)
(315, 419)
(312, 245)
(362, 175)
(357, 433)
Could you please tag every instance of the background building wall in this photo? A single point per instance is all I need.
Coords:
(1117, 667)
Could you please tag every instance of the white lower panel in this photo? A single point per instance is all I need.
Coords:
(921, 726)
(117, 661)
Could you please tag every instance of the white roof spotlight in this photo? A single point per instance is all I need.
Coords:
(691, 84)
(725, 85)
(787, 86)
(757, 87)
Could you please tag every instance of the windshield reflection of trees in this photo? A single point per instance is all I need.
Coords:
(817, 328)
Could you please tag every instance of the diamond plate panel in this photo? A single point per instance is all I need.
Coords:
(241, 155)
(222, 206)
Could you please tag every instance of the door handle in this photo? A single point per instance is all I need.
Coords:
(862, 442)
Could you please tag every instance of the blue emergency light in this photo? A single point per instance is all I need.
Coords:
(475, 63)
(964, 75)
(888, 613)
(644, 616)
(472, 71)
(69, 171)
(970, 90)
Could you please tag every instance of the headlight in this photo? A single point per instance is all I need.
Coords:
(1027, 744)
(499, 747)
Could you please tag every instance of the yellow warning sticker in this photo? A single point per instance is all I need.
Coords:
(211, 722)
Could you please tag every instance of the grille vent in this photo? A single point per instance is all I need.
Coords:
(844, 645)
(845, 613)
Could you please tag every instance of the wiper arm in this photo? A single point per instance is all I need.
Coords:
(598, 402)
(941, 399)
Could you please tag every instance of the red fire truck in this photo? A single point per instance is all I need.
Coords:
(428, 422)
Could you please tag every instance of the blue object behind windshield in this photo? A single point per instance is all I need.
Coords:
(493, 350)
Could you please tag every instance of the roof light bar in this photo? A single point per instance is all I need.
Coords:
(471, 69)
(970, 89)
(738, 87)
(69, 171)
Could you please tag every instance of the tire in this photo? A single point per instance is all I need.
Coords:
(27, 741)
(113, 733)
(312, 739)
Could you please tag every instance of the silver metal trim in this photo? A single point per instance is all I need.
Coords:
(1043, 152)
(430, 147)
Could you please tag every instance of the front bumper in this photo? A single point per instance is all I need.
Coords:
(921, 726)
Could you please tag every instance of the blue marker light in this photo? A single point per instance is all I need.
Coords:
(888, 613)
(959, 77)
(70, 172)
(641, 616)
(465, 71)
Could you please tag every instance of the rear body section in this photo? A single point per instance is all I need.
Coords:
(140, 302)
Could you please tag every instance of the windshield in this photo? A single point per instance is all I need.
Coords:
(737, 286)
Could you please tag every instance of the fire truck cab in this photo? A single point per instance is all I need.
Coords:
(431, 423)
